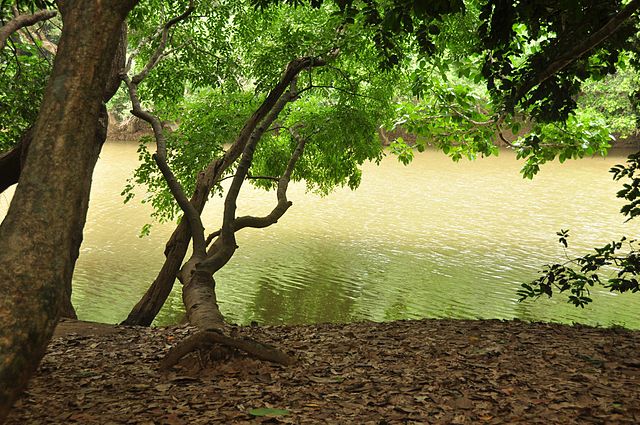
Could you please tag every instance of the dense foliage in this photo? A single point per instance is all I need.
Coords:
(25, 67)
(524, 41)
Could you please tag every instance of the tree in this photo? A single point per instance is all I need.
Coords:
(458, 111)
(43, 227)
(314, 121)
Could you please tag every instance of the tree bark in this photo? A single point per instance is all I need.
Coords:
(41, 234)
(11, 163)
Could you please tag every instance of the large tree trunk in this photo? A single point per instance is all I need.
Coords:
(41, 234)
(12, 162)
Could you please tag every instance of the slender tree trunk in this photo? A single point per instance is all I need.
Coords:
(145, 311)
(176, 248)
(41, 234)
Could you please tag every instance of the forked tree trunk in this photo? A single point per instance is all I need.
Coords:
(146, 310)
(176, 248)
(42, 231)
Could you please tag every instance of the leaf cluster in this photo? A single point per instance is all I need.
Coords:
(620, 260)
(24, 74)
(391, 23)
(584, 133)
(522, 39)
(199, 52)
(449, 111)
(340, 136)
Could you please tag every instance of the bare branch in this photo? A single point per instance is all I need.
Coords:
(252, 177)
(22, 21)
(283, 203)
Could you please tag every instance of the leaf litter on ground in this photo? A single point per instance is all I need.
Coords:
(405, 372)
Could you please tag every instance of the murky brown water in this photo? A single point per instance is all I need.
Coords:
(434, 239)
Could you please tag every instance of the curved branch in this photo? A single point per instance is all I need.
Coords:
(22, 21)
(262, 115)
(157, 55)
(192, 215)
(225, 246)
(283, 203)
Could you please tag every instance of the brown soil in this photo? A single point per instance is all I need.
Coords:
(428, 371)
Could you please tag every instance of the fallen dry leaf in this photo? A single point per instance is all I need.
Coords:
(415, 372)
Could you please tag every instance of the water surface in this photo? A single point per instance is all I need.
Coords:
(433, 239)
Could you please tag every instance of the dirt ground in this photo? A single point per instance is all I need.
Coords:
(413, 372)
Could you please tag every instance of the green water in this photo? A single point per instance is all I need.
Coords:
(434, 239)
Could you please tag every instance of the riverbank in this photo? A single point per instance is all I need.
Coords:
(426, 371)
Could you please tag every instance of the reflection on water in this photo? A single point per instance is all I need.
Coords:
(434, 239)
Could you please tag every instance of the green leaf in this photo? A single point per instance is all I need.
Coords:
(268, 412)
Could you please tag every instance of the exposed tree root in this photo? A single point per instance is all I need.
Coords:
(208, 339)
